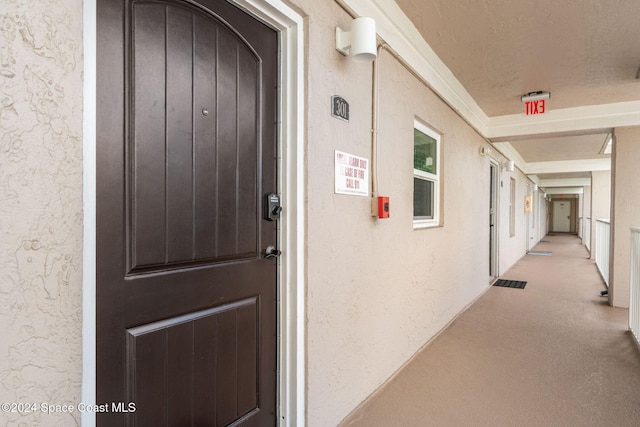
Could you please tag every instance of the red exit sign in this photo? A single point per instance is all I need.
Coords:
(535, 107)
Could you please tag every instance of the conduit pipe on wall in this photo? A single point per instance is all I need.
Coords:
(374, 107)
(375, 114)
(374, 118)
(374, 135)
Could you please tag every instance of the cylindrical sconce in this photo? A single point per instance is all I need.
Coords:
(360, 42)
(509, 166)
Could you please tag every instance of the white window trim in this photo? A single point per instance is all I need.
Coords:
(435, 178)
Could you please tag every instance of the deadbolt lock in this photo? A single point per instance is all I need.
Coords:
(271, 207)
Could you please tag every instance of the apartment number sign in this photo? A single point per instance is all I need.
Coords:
(339, 108)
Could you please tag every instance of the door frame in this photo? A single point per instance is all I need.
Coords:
(528, 219)
(494, 203)
(571, 214)
(291, 233)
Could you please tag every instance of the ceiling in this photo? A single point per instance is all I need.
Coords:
(585, 52)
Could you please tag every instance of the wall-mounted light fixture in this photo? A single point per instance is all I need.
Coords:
(485, 151)
(360, 42)
(509, 166)
(535, 96)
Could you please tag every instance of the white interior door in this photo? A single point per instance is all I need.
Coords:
(493, 217)
(562, 216)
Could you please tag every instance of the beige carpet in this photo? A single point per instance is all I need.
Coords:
(552, 354)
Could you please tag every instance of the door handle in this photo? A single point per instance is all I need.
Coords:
(272, 252)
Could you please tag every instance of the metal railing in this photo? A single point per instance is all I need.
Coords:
(602, 248)
(634, 286)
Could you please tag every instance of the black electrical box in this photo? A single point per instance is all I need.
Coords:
(271, 207)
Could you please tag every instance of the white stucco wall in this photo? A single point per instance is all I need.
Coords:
(586, 215)
(625, 212)
(512, 248)
(543, 219)
(378, 290)
(40, 207)
(601, 194)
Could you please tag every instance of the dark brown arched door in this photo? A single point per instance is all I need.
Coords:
(186, 149)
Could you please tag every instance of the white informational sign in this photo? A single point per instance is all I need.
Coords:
(352, 174)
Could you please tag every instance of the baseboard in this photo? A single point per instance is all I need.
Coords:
(346, 422)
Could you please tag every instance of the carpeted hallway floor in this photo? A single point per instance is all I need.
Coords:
(552, 354)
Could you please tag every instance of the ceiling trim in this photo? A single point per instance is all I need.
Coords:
(535, 168)
(588, 165)
(395, 28)
(564, 190)
(591, 117)
(511, 153)
(565, 182)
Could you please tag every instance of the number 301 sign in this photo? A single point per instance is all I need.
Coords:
(339, 108)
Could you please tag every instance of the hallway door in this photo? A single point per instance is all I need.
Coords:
(186, 149)
(527, 215)
(562, 216)
(493, 215)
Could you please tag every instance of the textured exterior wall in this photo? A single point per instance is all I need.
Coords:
(40, 206)
(512, 248)
(586, 216)
(377, 291)
(625, 212)
(601, 194)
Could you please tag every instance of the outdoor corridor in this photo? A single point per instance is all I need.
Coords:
(551, 354)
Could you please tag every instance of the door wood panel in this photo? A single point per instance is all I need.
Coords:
(214, 349)
(186, 302)
(173, 190)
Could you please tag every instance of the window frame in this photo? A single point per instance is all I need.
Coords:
(435, 178)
